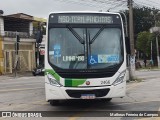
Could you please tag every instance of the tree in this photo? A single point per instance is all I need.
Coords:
(143, 19)
(143, 42)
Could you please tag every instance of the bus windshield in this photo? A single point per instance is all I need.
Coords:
(85, 48)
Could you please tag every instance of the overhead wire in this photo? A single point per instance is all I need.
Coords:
(82, 4)
(147, 4)
(116, 6)
(105, 4)
(152, 2)
(101, 3)
(114, 3)
(136, 5)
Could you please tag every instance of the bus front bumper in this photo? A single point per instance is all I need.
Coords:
(64, 93)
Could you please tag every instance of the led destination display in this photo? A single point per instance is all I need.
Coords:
(81, 18)
(85, 19)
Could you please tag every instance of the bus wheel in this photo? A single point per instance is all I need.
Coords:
(54, 102)
(107, 99)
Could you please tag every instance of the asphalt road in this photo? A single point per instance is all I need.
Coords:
(28, 94)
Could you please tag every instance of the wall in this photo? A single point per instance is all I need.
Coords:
(1, 56)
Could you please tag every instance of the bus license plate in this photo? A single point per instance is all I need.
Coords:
(88, 96)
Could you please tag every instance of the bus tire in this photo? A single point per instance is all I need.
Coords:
(107, 99)
(34, 74)
(54, 102)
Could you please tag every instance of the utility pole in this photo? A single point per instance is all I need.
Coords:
(37, 54)
(151, 51)
(39, 38)
(156, 30)
(16, 52)
(158, 61)
(131, 36)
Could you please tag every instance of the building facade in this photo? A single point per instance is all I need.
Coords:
(11, 25)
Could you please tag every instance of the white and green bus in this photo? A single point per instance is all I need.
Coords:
(85, 56)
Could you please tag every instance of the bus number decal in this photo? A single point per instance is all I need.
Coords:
(105, 82)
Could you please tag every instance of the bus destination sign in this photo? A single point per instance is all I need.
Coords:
(85, 19)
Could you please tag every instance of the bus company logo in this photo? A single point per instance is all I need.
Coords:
(6, 114)
(88, 83)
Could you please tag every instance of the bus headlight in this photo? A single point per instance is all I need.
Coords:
(120, 78)
(52, 81)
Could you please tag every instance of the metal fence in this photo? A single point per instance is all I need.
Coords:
(26, 61)
(12, 34)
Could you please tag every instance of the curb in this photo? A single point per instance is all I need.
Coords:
(143, 70)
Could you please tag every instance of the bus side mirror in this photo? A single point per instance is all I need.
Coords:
(127, 43)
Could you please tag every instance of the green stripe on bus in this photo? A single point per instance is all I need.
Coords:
(74, 82)
(68, 83)
(52, 72)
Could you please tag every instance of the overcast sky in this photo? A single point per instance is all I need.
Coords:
(41, 8)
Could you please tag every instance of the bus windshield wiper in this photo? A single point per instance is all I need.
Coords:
(89, 49)
(75, 34)
(97, 34)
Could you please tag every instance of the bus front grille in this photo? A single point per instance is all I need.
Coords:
(97, 92)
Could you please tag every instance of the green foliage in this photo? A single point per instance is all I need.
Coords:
(144, 42)
(143, 19)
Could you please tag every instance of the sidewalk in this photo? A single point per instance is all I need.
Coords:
(147, 74)
(147, 69)
(18, 75)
